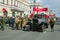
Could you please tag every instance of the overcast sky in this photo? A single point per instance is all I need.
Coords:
(54, 5)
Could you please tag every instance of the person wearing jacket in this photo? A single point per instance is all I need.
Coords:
(52, 22)
(24, 23)
(17, 23)
(12, 20)
(2, 23)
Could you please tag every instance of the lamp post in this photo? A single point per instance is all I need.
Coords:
(34, 5)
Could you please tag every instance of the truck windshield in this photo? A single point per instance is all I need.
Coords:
(39, 16)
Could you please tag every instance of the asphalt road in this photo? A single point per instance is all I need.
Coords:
(9, 34)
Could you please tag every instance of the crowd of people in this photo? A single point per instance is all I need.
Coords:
(19, 23)
(13, 22)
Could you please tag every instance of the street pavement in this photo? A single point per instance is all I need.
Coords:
(9, 34)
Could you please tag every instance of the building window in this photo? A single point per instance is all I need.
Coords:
(12, 2)
(3, 1)
(30, 7)
(13, 14)
(18, 4)
(30, 11)
(9, 2)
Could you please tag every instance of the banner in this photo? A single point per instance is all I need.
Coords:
(35, 9)
(40, 9)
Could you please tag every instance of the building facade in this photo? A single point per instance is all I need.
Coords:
(13, 7)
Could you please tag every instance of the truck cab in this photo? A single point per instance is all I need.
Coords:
(41, 19)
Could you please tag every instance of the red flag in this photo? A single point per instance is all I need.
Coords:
(40, 9)
(46, 16)
(35, 9)
(31, 15)
(3, 9)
